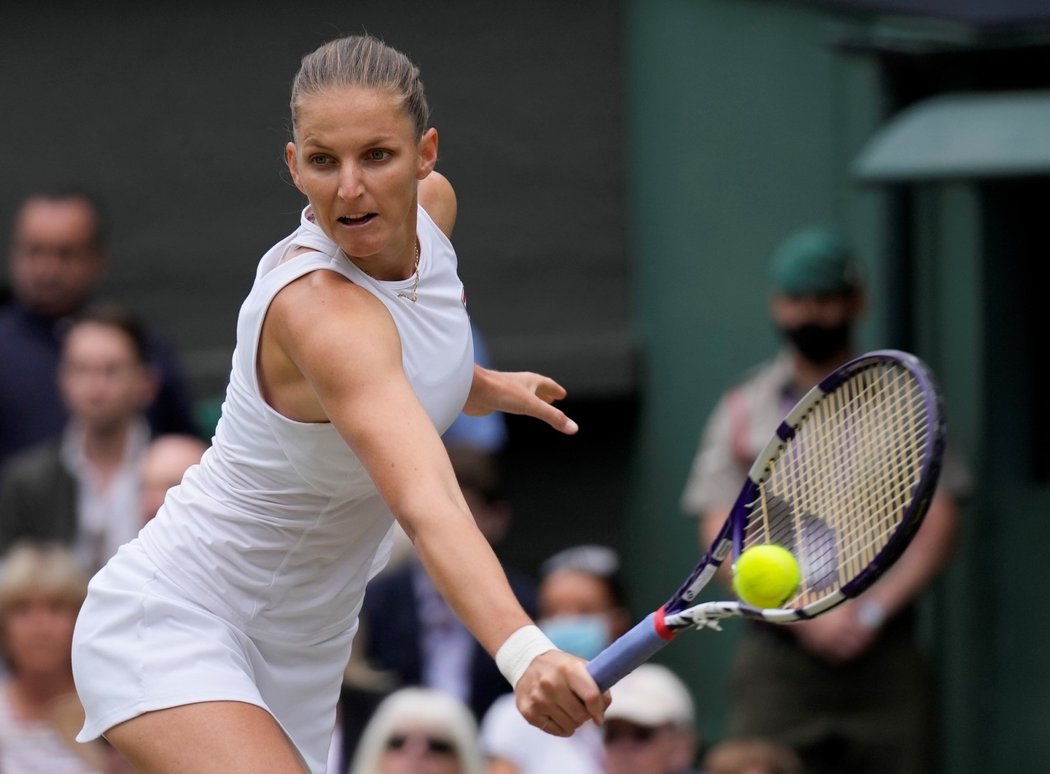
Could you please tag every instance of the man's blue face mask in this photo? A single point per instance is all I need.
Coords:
(581, 635)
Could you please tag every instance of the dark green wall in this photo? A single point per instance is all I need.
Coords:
(744, 121)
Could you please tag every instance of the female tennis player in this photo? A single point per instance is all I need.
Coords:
(215, 641)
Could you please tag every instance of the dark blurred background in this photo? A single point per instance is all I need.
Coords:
(623, 171)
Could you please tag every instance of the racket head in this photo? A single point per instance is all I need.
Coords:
(845, 481)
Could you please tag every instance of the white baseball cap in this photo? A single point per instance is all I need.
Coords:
(651, 695)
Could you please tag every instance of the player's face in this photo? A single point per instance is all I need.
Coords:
(55, 259)
(358, 160)
(103, 383)
(419, 750)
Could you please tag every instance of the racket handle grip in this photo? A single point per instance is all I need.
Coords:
(627, 653)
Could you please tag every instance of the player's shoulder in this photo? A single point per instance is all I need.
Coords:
(310, 317)
(322, 291)
(438, 198)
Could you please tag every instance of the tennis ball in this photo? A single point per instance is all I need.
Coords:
(765, 576)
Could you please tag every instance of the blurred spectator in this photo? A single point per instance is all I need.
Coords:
(650, 724)
(751, 756)
(419, 731)
(58, 257)
(850, 690)
(41, 590)
(83, 488)
(582, 609)
(164, 462)
(408, 629)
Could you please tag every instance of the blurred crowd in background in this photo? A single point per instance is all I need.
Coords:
(97, 424)
(743, 179)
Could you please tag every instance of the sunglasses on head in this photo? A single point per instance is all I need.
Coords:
(433, 744)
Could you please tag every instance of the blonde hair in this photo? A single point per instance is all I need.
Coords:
(426, 707)
(364, 61)
(33, 570)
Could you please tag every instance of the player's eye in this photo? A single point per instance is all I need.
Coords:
(320, 159)
(378, 154)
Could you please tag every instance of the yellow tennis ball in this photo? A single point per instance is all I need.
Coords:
(766, 576)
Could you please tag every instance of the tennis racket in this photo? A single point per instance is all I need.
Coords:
(843, 484)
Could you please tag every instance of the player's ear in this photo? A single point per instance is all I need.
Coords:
(428, 153)
(291, 158)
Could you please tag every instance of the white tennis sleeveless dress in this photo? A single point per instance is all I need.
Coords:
(247, 584)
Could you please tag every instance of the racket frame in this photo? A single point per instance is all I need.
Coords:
(680, 612)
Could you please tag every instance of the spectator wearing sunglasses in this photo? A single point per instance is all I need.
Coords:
(419, 731)
(650, 724)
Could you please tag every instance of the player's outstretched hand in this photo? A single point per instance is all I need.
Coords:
(518, 392)
(557, 694)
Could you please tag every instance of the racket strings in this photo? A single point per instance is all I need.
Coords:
(836, 493)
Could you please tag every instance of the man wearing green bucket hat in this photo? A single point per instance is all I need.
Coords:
(850, 691)
(817, 300)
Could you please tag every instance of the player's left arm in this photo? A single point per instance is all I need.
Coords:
(520, 392)
(512, 393)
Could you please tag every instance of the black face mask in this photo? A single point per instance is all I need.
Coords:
(817, 343)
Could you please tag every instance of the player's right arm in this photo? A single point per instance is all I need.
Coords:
(330, 351)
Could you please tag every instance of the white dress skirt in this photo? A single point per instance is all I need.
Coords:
(143, 646)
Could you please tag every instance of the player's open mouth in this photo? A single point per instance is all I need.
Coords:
(356, 220)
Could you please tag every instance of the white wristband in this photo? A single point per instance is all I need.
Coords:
(518, 651)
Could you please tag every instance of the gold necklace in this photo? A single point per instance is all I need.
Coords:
(411, 294)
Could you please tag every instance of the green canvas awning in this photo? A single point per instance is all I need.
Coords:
(1002, 134)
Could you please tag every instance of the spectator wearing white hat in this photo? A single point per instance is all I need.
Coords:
(581, 609)
(650, 724)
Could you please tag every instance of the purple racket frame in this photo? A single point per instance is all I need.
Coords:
(680, 612)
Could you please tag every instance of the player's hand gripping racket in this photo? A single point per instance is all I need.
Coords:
(843, 485)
